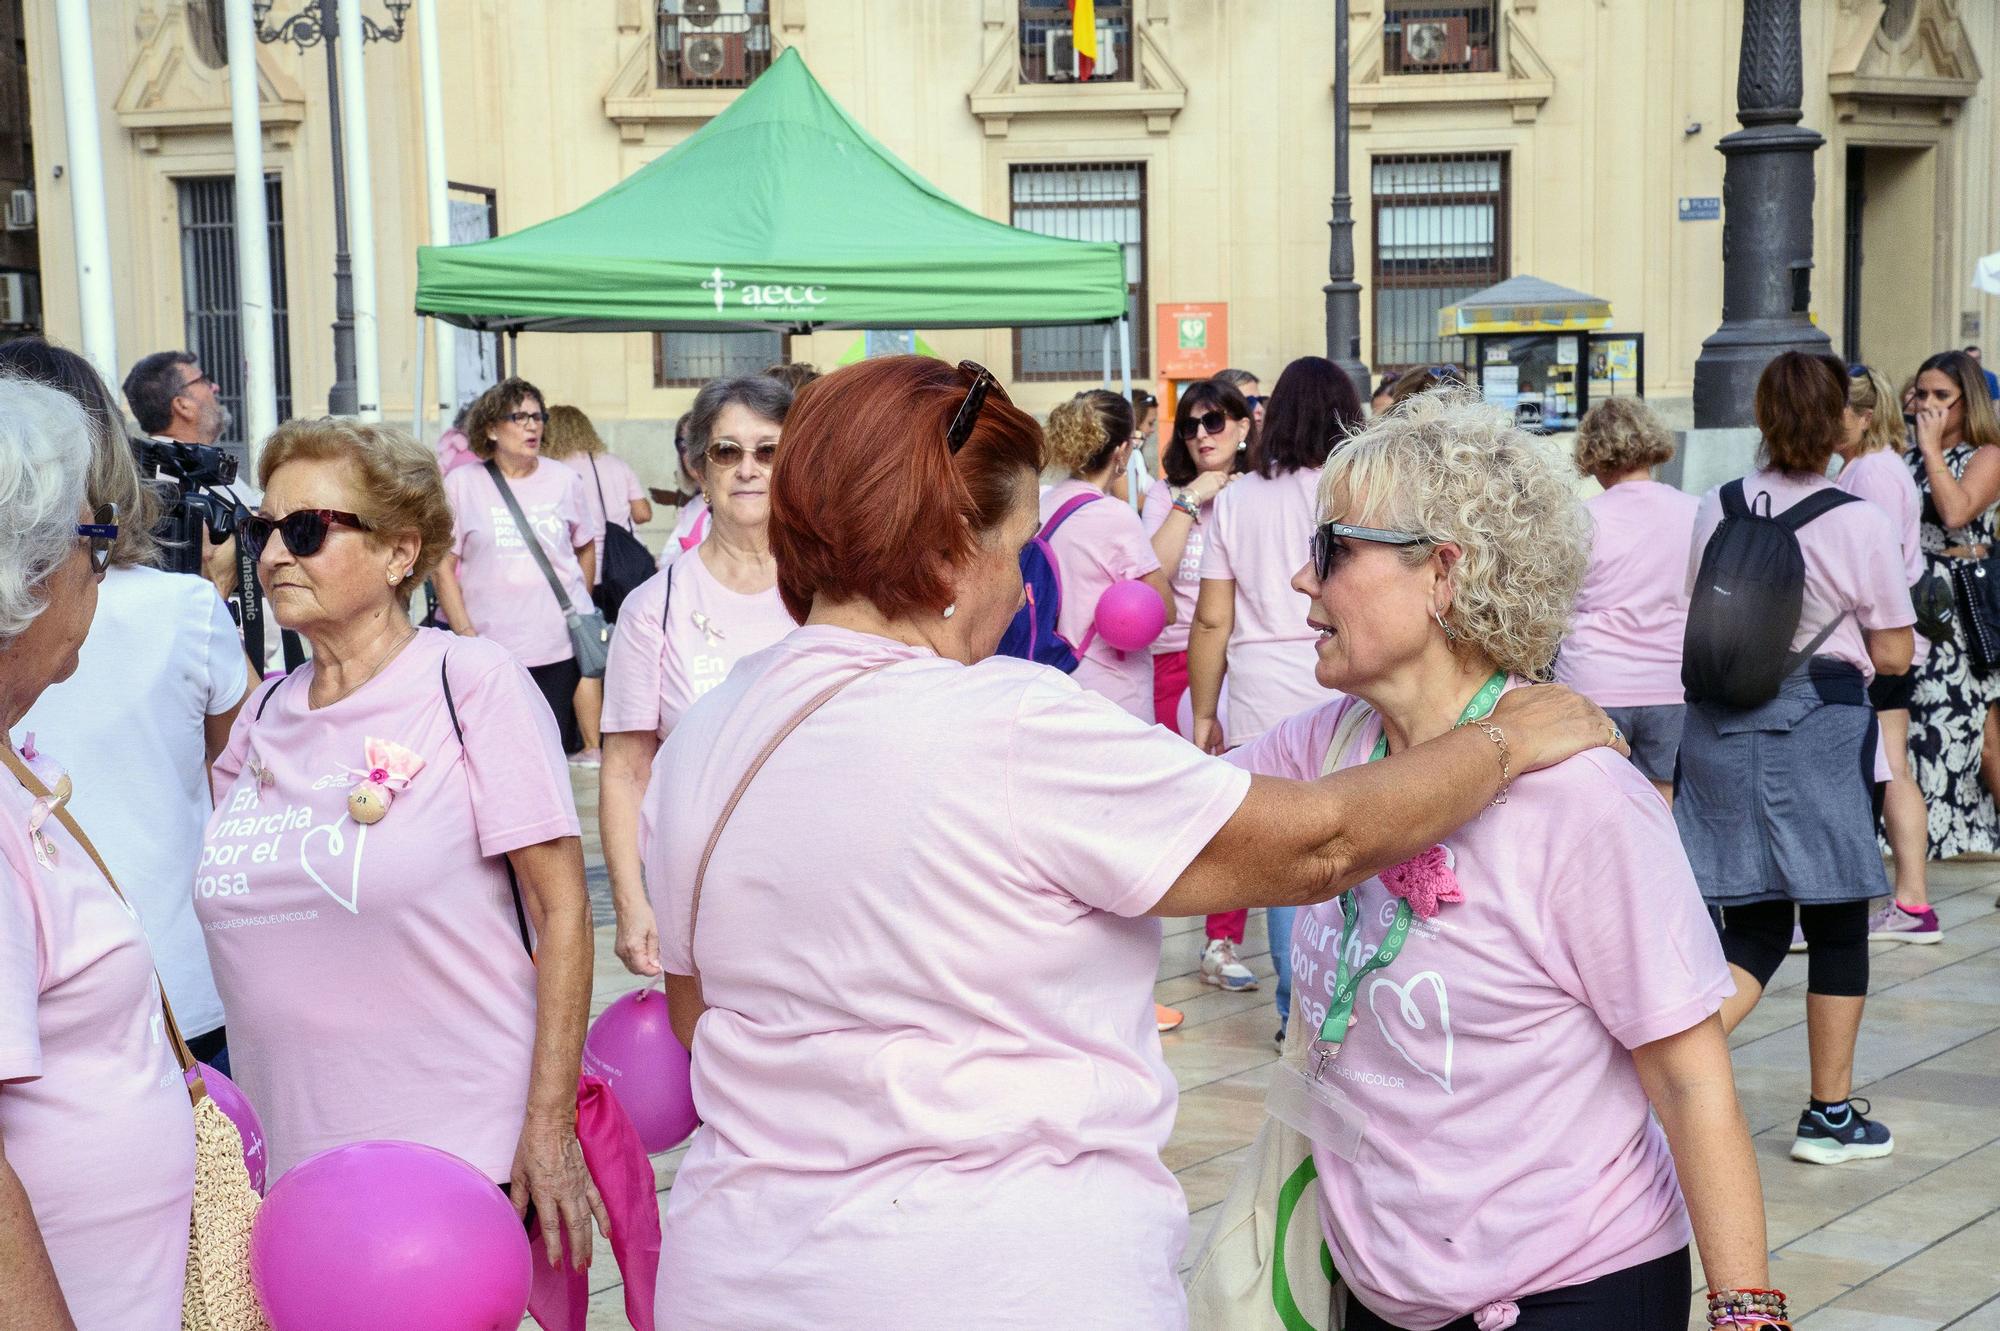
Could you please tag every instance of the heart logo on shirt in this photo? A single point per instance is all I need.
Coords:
(336, 843)
(1413, 1032)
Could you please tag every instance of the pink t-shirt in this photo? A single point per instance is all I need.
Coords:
(505, 593)
(929, 1079)
(608, 495)
(1187, 573)
(655, 676)
(1582, 937)
(1101, 543)
(1631, 615)
(1260, 532)
(374, 975)
(1853, 564)
(92, 1106)
(1883, 479)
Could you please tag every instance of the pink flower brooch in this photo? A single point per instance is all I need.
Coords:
(1426, 882)
(390, 767)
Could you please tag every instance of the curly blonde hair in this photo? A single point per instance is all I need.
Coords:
(1621, 434)
(569, 432)
(1449, 466)
(402, 488)
(1084, 431)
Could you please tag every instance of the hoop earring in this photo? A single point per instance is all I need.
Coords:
(951, 610)
(1449, 636)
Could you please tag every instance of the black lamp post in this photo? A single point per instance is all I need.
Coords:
(318, 24)
(1343, 293)
(1767, 239)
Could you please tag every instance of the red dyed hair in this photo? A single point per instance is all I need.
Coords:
(867, 502)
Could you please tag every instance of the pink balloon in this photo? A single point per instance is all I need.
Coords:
(1130, 616)
(634, 1048)
(231, 1101)
(392, 1236)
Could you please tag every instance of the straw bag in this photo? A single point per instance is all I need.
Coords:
(1265, 1266)
(218, 1295)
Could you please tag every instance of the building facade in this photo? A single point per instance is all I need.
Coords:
(1574, 140)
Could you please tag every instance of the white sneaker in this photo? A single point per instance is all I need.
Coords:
(1220, 967)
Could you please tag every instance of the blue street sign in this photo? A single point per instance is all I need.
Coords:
(1707, 208)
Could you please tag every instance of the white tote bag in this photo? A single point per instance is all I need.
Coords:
(1264, 1266)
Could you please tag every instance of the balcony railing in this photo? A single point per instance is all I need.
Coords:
(713, 43)
(1047, 52)
(1439, 39)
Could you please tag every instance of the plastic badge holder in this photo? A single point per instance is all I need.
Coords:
(1321, 1110)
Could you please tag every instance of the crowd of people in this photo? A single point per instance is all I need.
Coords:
(903, 891)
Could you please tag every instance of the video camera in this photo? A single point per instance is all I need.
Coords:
(196, 504)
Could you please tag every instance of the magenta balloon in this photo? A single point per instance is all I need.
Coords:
(1130, 616)
(633, 1047)
(231, 1101)
(391, 1236)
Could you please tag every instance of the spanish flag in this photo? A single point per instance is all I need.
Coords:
(1083, 35)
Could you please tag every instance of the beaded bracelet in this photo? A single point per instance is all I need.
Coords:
(1749, 1309)
(1499, 737)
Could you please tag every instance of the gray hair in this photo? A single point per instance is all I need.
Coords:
(759, 393)
(44, 465)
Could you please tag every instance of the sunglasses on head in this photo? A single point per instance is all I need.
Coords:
(304, 530)
(727, 453)
(1327, 546)
(101, 531)
(1214, 421)
(968, 411)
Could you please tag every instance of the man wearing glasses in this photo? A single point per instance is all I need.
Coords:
(173, 398)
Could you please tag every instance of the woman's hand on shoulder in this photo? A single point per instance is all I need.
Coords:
(1546, 724)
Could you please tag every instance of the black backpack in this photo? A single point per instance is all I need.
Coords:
(1747, 598)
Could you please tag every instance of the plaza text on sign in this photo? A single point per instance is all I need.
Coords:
(1703, 208)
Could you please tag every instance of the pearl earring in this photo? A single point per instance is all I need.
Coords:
(395, 578)
(951, 610)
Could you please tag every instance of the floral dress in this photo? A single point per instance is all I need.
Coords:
(1948, 708)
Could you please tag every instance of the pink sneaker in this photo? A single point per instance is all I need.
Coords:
(1894, 924)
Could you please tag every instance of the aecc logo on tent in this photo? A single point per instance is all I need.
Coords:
(765, 295)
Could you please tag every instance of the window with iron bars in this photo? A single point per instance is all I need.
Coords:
(1098, 201)
(689, 360)
(1048, 48)
(1440, 233)
(210, 295)
(1440, 38)
(712, 43)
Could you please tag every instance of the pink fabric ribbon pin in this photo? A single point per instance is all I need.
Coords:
(1426, 882)
(390, 764)
(1496, 1316)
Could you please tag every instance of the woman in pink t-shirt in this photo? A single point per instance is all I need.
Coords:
(1624, 652)
(610, 485)
(683, 630)
(490, 584)
(96, 1133)
(1098, 545)
(1872, 444)
(393, 826)
(908, 895)
(1506, 1015)
(1198, 461)
(1776, 802)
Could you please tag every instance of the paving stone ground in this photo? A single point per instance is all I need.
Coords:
(1908, 1243)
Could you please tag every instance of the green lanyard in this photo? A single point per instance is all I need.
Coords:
(1347, 979)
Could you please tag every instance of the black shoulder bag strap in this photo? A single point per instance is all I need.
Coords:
(1733, 503)
(513, 883)
(602, 507)
(527, 533)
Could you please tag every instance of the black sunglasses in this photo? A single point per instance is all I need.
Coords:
(1209, 422)
(304, 530)
(101, 531)
(1327, 538)
(968, 410)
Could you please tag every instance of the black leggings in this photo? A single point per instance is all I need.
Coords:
(1757, 937)
(558, 681)
(1652, 1296)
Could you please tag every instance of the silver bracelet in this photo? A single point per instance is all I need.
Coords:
(1499, 738)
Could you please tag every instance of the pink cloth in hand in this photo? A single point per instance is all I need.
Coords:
(1426, 882)
(559, 1298)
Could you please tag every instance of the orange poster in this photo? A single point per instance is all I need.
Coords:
(1192, 341)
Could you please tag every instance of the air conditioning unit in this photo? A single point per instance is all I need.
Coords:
(21, 210)
(14, 299)
(1435, 43)
(715, 57)
(704, 13)
(1059, 54)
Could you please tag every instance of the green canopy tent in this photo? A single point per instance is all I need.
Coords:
(780, 214)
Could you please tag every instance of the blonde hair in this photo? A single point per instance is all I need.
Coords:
(1085, 430)
(1869, 391)
(401, 488)
(1448, 466)
(1618, 435)
(569, 432)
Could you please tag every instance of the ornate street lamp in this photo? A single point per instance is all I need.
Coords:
(318, 25)
(1343, 293)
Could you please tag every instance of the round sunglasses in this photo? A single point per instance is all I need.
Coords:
(304, 530)
(727, 453)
